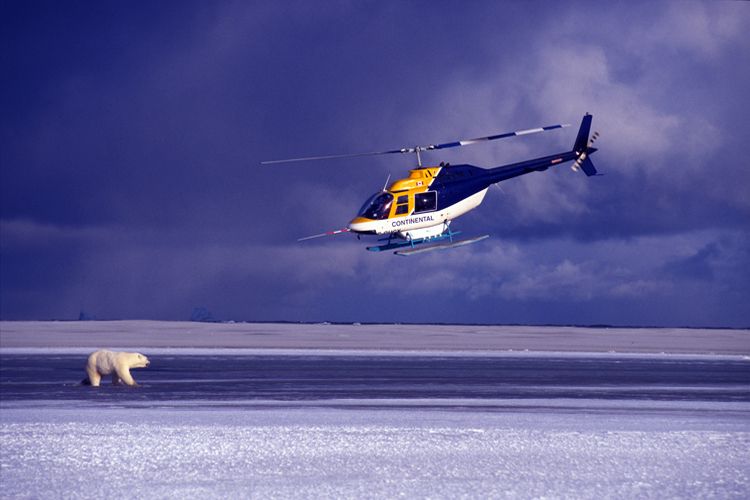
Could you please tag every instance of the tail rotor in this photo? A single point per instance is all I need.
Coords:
(576, 167)
(583, 147)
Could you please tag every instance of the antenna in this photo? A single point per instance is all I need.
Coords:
(385, 186)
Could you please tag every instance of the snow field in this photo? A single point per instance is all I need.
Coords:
(146, 335)
(324, 453)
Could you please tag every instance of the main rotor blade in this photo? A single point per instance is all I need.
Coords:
(330, 157)
(469, 142)
(415, 149)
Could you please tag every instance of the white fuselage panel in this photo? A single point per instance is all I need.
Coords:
(419, 221)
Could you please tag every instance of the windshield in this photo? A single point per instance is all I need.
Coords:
(377, 207)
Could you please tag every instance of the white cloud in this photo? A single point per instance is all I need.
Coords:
(566, 270)
(699, 29)
(571, 78)
(657, 129)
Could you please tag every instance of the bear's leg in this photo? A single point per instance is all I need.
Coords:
(124, 374)
(94, 377)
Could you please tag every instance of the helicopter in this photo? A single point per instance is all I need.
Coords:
(413, 215)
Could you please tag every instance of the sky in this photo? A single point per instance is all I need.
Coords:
(131, 136)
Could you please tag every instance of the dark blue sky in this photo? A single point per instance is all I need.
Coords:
(131, 134)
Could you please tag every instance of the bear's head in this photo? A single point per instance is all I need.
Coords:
(138, 360)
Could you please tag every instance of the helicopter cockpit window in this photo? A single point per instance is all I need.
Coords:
(425, 202)
(377, 207)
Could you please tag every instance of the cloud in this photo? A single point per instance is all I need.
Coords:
(697, 266)
(578, 272)
(578, 77)
(698, 29)
(115, 274)
(657, 142)
(133, 186)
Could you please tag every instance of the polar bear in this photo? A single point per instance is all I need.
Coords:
(117, 364)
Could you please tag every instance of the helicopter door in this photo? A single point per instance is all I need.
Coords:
(425, 202)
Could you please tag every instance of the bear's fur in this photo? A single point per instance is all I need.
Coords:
(117, 364)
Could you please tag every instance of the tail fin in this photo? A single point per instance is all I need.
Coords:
(583, 134)
(583, 149)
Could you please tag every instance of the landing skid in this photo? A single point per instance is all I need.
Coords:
(396, 242)
(422, 245)
(441, 246)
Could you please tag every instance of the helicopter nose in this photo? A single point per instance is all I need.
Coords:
(359, 224)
